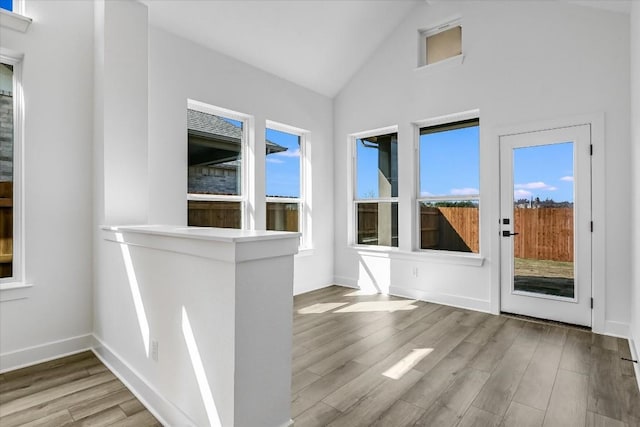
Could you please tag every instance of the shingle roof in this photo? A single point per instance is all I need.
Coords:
(209, 124)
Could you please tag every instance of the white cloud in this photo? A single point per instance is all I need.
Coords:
(464, 191)
(537, 185)
(272, 160)
(426, 194)
(522, 194)
(294, 153)
(567, 178)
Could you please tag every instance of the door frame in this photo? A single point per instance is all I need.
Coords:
(598, 254)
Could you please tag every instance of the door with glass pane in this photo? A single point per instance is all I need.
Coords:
(545, 224)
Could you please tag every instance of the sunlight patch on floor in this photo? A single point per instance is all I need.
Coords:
(389, 306)
(398, 370)
(362, 292)
(321, 307)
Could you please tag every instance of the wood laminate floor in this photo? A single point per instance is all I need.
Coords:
(385, 361)
(73, 391)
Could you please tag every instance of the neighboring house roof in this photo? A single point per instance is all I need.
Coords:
(214, 127)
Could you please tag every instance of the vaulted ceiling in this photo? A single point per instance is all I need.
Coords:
(317, 44)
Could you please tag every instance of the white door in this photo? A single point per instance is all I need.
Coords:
(545, 224)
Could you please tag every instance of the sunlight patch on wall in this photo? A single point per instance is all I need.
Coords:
(198, 369)
(398, 370)
(135, 292)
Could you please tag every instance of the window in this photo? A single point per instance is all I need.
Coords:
(449, 195)
(440, 43)
(11, 232)
(6, 5)
(283, 170)
(376, 190)
(216, 167)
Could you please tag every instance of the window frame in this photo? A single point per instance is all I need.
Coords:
(245, 163)
(439, 121)
(303, 202)
(18, 276)
(352, 232)
(425, 33)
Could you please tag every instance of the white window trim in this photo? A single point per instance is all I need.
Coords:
(424, 33)
(304, 201)
(352, 169)
(16, 19)
(436, 121)
(247, 191)
(18, 280)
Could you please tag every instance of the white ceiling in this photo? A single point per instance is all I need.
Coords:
(318, 44)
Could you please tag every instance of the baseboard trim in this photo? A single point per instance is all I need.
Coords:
(166, 412)
(616, 329)
(310, 289)
(44, 352)
(445, 299)
(347, 282)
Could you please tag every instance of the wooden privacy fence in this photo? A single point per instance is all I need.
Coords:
(280, 216)
(544, 233)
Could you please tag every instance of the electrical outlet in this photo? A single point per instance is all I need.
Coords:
(154, 350)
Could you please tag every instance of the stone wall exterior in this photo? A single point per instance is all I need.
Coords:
(213, 180)
(6, 136)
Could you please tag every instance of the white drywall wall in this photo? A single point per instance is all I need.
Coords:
(524, 62)
(55, 316)
(635, 167)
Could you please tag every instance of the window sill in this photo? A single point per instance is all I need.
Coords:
(445, 64)
(14, 21)
(12, 291)
(441, 257)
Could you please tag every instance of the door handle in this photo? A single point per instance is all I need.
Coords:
(508, 234)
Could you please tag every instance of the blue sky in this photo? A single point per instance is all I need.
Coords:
(449, 166)
(283, 169)
(6, 4)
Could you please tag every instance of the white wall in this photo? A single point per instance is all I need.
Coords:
(55, 316)
(635, 167)
(524, 62)
(180, 70)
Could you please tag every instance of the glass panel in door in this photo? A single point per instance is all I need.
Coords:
(543, 220)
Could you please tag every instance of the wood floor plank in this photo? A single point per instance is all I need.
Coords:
(519, 415)
(58, 404)
(497, 393)
(59, 418)
(45, 396)
(605, 342)
(93, 406)
(486, 329)
(400, 414)
(630, 400)
(597, 420)
(568, 404)
(576, 354)
(319, 414)
(309, 396)
(105, 417)
(431, 386)
(303, 379)
(443, 347)
(456, 400)
(626, 366)
(42, 385)
(368, 409)
(537, 382)
(604, 393)
(475, 417)
(139, 419)
(45, 366)
(131, 407)
(494, 350)
(319, 353)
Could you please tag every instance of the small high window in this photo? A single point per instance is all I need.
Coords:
(448, 202)
(376, 190)
(440, 43)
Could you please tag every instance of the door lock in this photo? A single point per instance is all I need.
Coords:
(508, 234)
